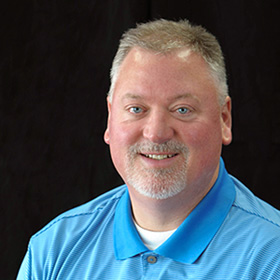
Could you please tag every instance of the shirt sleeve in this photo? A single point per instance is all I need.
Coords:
(25, 268)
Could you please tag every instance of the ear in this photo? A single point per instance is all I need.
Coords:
(107, 131)
(226, 122)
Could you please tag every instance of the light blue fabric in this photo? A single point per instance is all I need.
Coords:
(231, 234)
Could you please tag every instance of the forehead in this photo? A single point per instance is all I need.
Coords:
(180, 71)
(183, 61)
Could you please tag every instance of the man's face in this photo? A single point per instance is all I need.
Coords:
(165, 125)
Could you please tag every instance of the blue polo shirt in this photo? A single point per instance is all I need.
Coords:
(231, 234)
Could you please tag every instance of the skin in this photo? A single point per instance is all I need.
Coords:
(160, 99)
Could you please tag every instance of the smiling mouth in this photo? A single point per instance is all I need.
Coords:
(158, 157)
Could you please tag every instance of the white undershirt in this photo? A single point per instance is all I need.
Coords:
(153, 239)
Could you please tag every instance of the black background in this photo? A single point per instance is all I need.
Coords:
(55, 61)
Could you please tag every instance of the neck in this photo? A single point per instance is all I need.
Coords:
(162, 215)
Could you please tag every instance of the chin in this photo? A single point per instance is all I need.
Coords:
(158, 190)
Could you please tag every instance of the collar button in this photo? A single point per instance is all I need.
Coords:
(152, 259)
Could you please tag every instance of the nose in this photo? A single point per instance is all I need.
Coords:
(158, 128)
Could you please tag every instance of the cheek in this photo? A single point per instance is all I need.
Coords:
(123, 135)
(205, 144)
(204, 137)
(121, 138)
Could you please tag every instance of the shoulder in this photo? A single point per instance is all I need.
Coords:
(256, 217)
(75, 231)
(85, 214)
(250, 205)
(251, 231)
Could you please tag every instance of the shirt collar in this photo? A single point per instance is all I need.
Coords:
(193, 235)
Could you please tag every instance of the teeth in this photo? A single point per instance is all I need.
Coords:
(159, 157)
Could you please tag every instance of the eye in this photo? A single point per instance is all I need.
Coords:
(183, 110)
(135, 110)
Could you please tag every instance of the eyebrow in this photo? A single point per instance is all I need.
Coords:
(131, 96)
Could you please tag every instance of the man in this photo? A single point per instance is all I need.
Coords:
(180, 215)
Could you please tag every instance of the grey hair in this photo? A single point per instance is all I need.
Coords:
(164, 36)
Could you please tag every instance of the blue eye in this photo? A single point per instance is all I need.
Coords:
(183, 110)
(135, 110)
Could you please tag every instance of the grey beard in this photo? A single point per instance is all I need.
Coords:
(157, 183)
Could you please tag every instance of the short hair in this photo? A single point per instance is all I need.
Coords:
(164, 36)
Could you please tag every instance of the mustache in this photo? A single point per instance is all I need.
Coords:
(171, 146)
